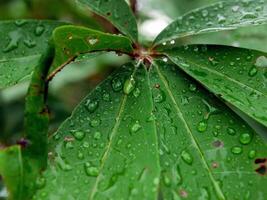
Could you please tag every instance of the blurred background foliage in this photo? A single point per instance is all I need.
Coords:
(79, 78)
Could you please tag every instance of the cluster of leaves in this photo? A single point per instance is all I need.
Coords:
(150, 130)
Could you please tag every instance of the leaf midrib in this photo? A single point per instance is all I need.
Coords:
(110, 142)
(218, 190)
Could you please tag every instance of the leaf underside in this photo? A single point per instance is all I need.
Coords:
(153, 134)
(22, 42)
(239, 76)
(117, 12)
(220, 16)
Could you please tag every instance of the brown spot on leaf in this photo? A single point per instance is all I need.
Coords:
(183, 193)
(261, 170)
(218, 144)
(260, 160)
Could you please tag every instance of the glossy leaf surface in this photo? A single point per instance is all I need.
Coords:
(117, 12)
(237, 75)
(22, 42)
(153, 135)
(217, 17)
(71, 41)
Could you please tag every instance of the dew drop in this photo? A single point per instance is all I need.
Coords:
(39, 30)
(29, 43)
(90, 170)
(252, 72)
(91, 105)
(236, 150)
(135, 127)
(159, 96)
(231, 131)
(92, 41)
(261, 62)
(245, 138)
(187, 158)
(136, 92)
(116, 84)
(40, 182)
(129, 86)
(97, 135)
(95, 122)
(79, 135)
(251, 154)
(202, 126)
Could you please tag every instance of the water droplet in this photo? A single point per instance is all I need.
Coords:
(165, 59)
(172, 42)
(91, 105)
(202, 126)
(90, 170)
(221, 19)
(40, 182)
(135, 127)
(187, 158)
(235, 8)
(251, 154)
(116, 84)
(39, 30)
(245, 138)
(92, 41)
(97, 135)
(253, 71)
(236, 150)
(95, 122)
(192, 87)
(20, 22)
(249, 15)
(79, 135)
(129, 86)
(158, 95)
(136, 92)
(231, 131)
(80, 155)
(29, 43)
(261, 61)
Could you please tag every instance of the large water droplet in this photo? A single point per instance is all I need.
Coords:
(245, 138)
(252, 154)
(261, 61)
(29, 43)
(90, 170)
(187, 158)
(236, 150)
(91, 105)
(92, 41)
(79, 135)
(135, 127)
(202, 126)
(129, 86)
(253, 71)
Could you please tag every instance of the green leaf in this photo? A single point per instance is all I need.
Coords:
(22, 43)
(21, 165)
(237, 75)
(117, 12)
(217, 17)
(153, 134)
(71, 41)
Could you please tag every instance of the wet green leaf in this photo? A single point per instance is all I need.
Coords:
(117, 12)
(237, 75)
(71, 41)
(22, 44)
(147, 143)
(217, 17)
